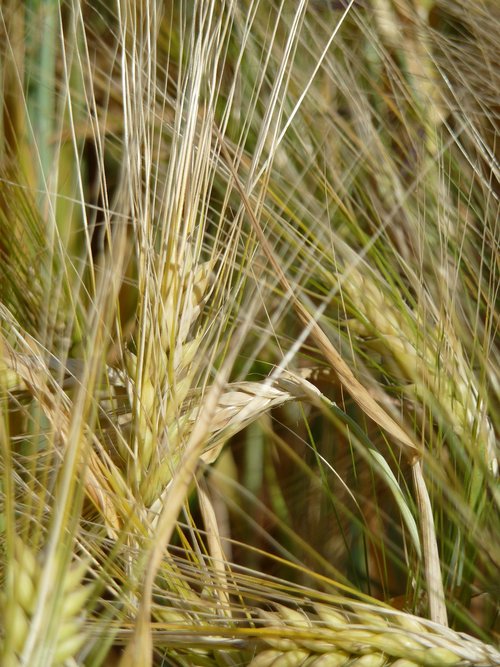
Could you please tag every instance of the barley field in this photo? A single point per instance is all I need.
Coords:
(249, 376)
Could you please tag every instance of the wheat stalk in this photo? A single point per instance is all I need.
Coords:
(435, 375)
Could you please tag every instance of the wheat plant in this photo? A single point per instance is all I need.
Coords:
(248, 333)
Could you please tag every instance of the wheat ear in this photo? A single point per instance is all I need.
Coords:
(63, 634)
(435, 371)
(363, 635)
